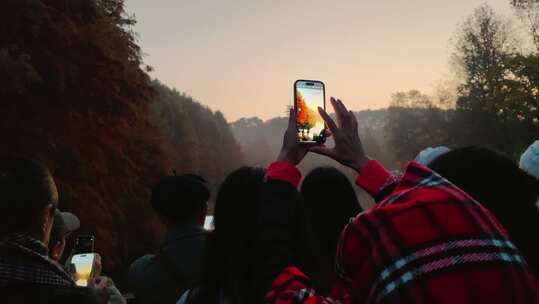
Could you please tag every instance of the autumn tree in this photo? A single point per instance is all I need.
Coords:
(481, 46)
(307, 117)
(495, 102)
(74, 96)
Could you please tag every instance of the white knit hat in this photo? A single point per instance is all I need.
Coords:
(429, 154)
(529, 161)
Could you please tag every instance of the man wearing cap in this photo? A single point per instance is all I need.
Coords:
(64, 224)
(28, 203)
(180, 201)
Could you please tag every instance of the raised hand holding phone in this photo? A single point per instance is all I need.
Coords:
(292, 150)
(348, 149)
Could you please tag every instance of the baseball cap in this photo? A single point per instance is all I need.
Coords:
(64, 223)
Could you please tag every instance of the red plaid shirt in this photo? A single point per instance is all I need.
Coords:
(426, 241)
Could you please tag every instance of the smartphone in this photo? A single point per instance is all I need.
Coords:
(308, 96)
(208, 223)
(84, 244)
(83, 268)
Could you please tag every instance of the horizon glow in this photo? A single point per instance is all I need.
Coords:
(241, 57)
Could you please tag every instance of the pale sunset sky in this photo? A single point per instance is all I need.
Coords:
(242, 56)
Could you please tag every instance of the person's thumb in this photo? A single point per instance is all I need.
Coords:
(291, 118)
(322, 150)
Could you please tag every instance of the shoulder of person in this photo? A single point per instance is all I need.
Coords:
(41, 293)
(198, 294)
(140, 264)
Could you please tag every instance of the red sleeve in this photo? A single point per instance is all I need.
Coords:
(373, 177)
(285, 172)
(355, 271)
(292, 287)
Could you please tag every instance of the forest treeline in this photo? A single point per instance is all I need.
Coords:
(262, 140)
(496, 103)
(76, 95)
(195, 138)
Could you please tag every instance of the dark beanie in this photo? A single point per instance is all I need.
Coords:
(180, 196)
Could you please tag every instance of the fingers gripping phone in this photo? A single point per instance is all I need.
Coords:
(83, 265)
(308, 96)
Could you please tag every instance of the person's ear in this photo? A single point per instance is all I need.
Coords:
(57, 250)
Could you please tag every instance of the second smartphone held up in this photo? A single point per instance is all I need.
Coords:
(83, 264)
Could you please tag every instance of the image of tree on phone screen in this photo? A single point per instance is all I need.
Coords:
(310, 124)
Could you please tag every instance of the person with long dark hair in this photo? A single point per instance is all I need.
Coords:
(320, 187)
(227, 272)
(231, 254)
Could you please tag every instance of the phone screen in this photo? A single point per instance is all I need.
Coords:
(309, 95)
(84, 244)
(208, 223)
(83, 264)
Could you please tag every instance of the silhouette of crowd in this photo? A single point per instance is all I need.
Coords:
(455, 226)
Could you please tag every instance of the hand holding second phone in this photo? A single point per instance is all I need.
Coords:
(348, 148)
(98, 266)
(100, 287)
(292, 150)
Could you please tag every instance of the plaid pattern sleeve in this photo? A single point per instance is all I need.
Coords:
(376, 180)
(24, 259)
(425, 242)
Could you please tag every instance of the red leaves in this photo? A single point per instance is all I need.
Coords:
(87, 118)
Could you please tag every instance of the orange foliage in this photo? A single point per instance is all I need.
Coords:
(306, 117)
(74, 96)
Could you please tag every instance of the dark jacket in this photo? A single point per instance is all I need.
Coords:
(27, 275)
(162, 278)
